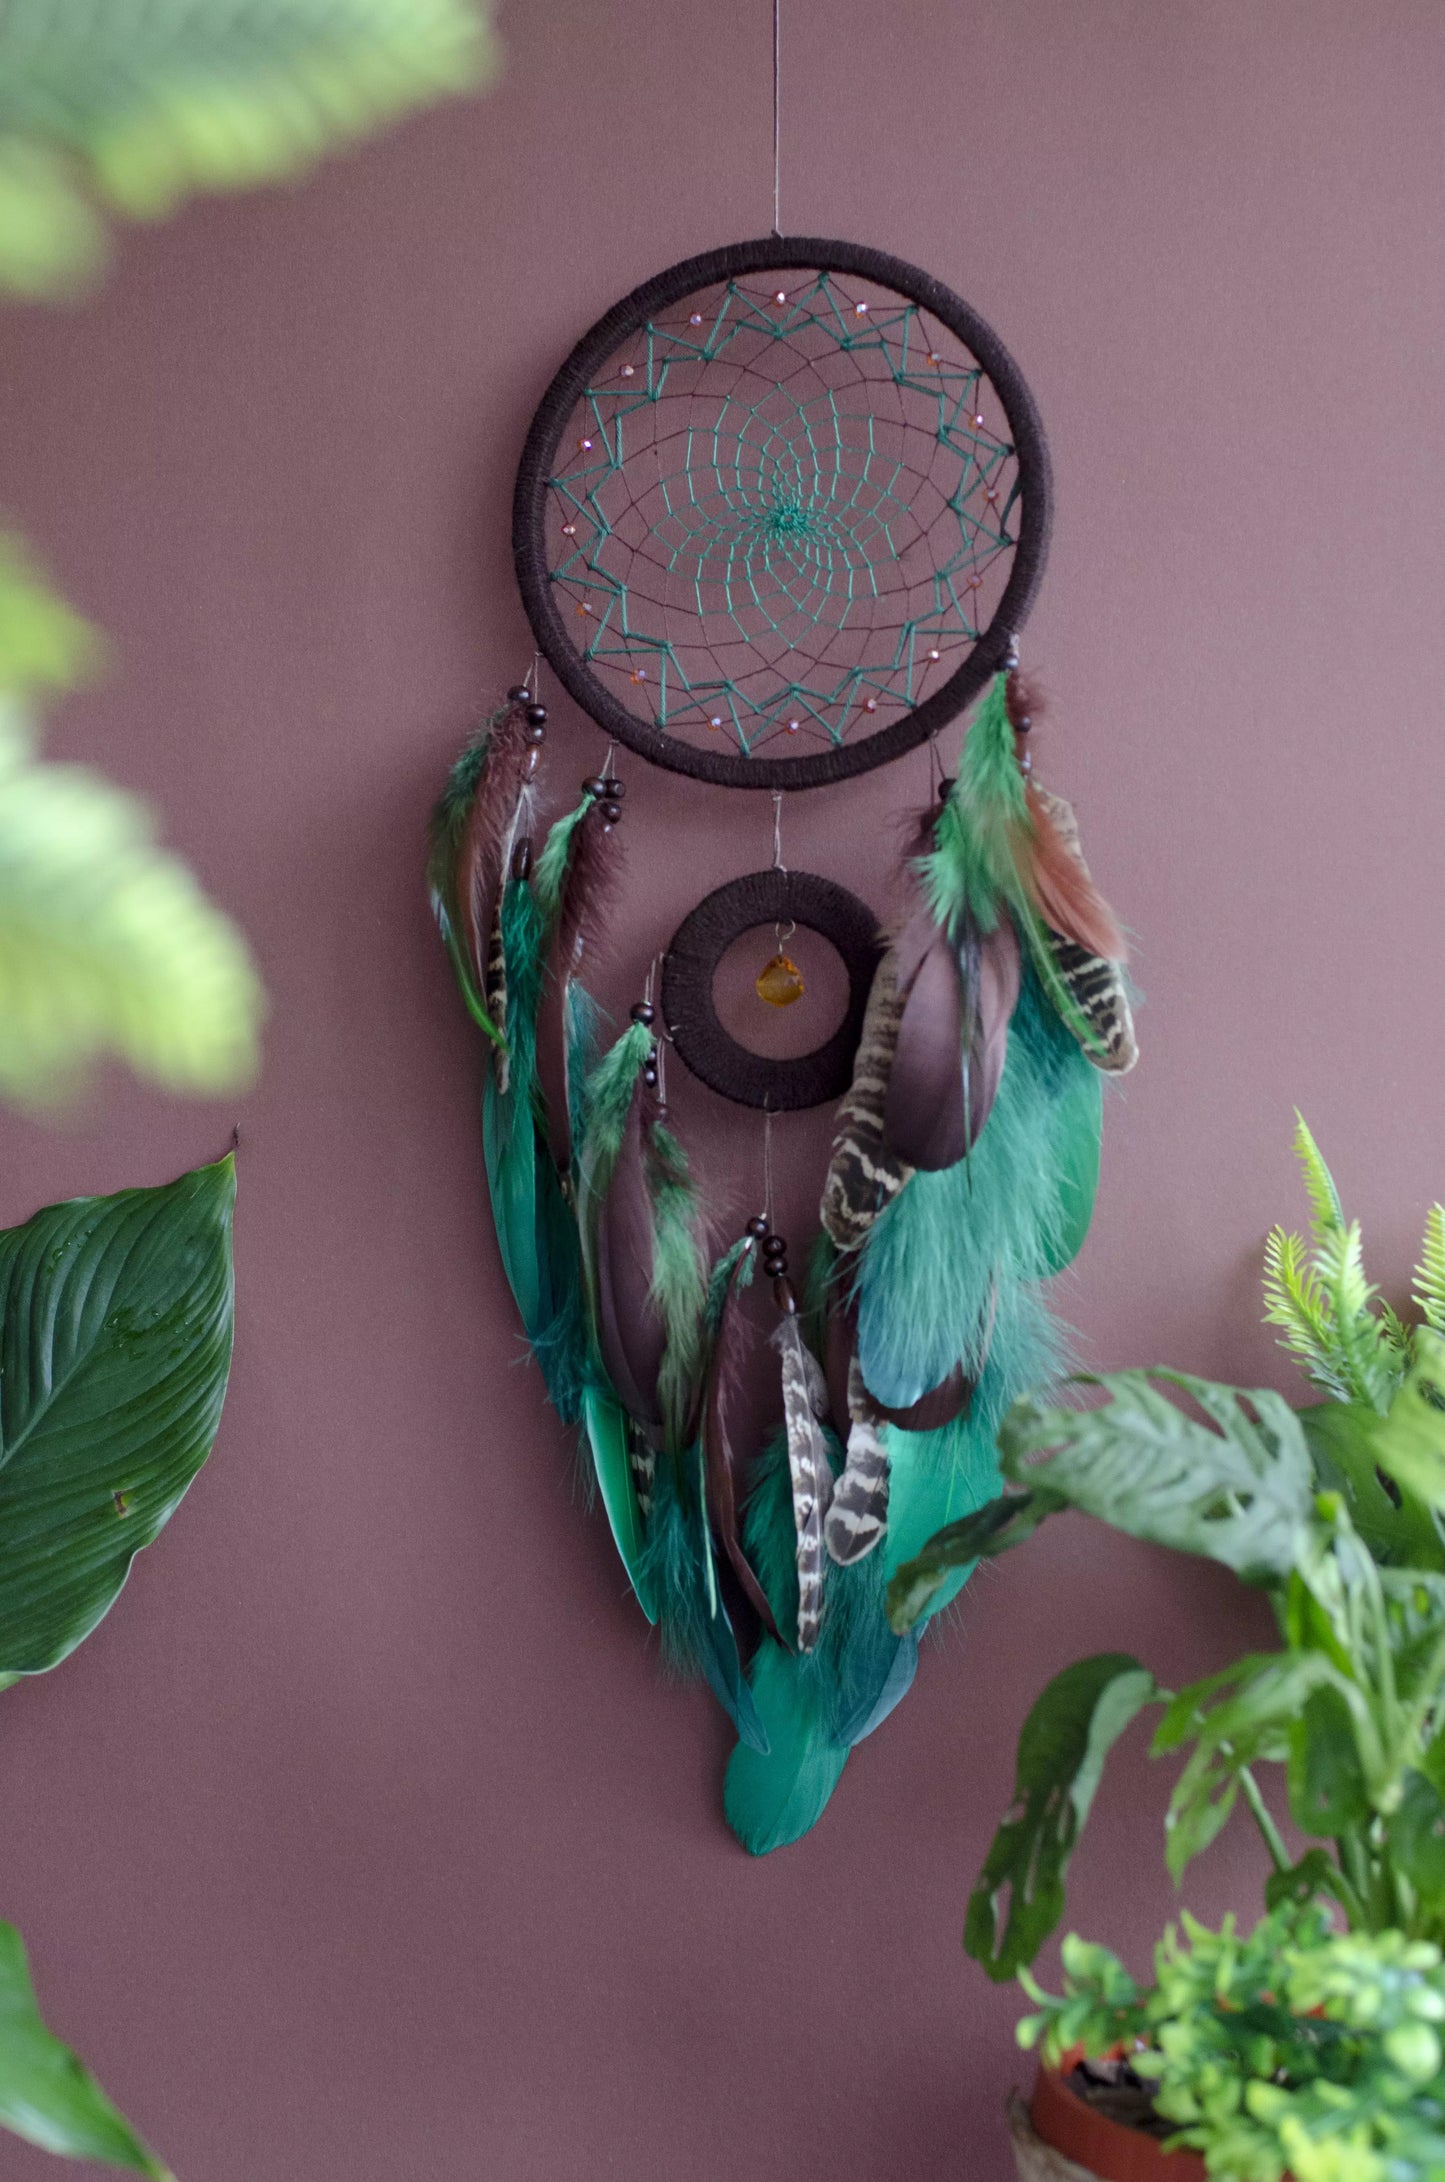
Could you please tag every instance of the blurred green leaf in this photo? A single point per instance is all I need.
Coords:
(1398, 1528)
(44, 644)
(1237, 1488)
(144, 103)
(1067, 1736)
(115, 1343)
(47, 2095)
(1409, 1441)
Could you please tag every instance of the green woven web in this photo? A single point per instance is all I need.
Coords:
(782, 513)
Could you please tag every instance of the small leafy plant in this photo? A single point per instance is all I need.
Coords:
(1295, 2047)
(1335, 1512)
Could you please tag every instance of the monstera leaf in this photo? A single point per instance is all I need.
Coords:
(1237, 1487)
(115, 1343)
(47, 2095)
(138, 104)
(1072, 1728)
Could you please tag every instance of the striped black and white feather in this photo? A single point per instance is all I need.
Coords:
(805, 1404)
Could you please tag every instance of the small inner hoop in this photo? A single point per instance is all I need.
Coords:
(780, 513)
(712, 1054)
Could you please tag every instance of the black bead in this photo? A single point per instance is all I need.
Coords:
(537, 714)
(592, 786)
(536, 735)
(774, 1259)
(611, 811)
(643, 1011)
(1026, 763)
(522, 860)
(649, 1077)
(614, 787)
(519, 695)
(945, 789)
(1022, 724)
(757, 1227)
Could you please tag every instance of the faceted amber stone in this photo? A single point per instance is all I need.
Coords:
(780, 982)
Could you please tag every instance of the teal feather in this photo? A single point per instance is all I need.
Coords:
(945, 1269)
(609, 1442)
(774, 1799)
(678, 1570)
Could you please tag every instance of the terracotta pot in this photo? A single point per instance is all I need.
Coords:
(1061, 2138)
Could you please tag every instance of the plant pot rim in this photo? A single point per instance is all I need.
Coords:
(1107, 2148)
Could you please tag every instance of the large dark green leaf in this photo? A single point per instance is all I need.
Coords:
(1410, 1439)
(1237, 1488)
(1397, 1526)
(115, 1342)
(988, 1531)
(1065, 1740)
(47, 2095)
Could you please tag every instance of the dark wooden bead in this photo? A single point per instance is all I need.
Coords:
(519, 695)
(592, 786)
(649, 1077)
(536, 736)
(537, 714)
(643, 1011)
(614, 787)
(945, 789)
(611, 811)
(757, 1227)
(522, 860)
(1022, 724)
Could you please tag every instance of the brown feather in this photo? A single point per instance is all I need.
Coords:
(593, 873)
(1094, 979)
(631, 1334)
(958, 1000)
(1068, 899)
(485, 842)
(722, 1460)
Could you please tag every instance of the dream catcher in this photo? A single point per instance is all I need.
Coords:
(778, 520)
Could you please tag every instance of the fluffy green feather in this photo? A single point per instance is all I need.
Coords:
(947, 1270)
(678, 1571)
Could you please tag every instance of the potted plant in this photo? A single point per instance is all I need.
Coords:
(1303, 2049)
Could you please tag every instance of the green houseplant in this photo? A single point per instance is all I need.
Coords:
(1335, 1513)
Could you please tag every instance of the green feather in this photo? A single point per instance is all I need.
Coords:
(678, 1570)
(609, 1440)
(945, 1272)
(973, 870)
(550, 875)
(774, 1799)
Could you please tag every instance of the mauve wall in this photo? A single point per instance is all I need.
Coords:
(365, 1840)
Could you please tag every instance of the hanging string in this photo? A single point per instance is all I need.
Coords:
(778, 864)
(777, 136)
(768, 1164)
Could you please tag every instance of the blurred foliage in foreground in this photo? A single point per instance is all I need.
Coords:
(128, 107)
(107, 945)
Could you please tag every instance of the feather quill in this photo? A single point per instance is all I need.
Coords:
(805, 1402)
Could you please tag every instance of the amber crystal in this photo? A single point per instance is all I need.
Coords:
(780, 982)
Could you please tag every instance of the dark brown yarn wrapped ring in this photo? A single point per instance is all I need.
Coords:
(698, 946)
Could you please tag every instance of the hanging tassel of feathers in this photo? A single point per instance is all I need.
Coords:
(962, 1175)
(578, 874)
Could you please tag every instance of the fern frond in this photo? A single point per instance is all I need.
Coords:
(1327, 1213)
(1429, 1284)
(1294, 1301)
(1360, 1351)
(140, 104)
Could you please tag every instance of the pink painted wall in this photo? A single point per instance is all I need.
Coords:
(365, 1840)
